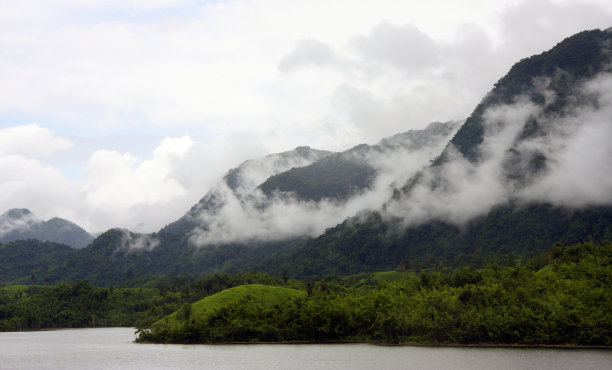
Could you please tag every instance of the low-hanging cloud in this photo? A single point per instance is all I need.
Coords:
(10, 224)
(137, 242)
(580, 154)
(574, 146)
(255, 216)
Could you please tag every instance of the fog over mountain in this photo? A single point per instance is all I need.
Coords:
(542, 140)
(549, 144)
(241, 208)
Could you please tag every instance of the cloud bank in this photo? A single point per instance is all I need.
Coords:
(573, 146)
(245, 214)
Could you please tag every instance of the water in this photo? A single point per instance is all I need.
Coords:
(112, 348)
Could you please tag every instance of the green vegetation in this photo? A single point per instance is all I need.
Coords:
(180, 325)
(80, 304)
(264, 294)
(561, 297)
(506, 234)
(335, 177)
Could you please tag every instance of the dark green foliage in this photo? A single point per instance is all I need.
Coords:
(506, 233)
(573, 60)
(80, 304)
(335, 177)
(110, 260)
(23, 258)
(565, 301)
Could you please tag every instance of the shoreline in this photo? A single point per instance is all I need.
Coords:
(382, 344)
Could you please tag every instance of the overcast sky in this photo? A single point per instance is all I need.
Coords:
(124, 112)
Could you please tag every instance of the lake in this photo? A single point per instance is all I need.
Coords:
(112, 348)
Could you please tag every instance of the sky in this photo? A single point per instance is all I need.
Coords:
(124, 113)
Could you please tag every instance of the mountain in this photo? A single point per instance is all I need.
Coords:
(238, 183)
(530, 167)
(302, 192)
(16, 224)
(341, 176)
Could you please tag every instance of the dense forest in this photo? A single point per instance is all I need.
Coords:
(81, 304)
(560, 297)
(506, 233)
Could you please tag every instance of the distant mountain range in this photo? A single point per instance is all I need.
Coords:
(16, 224)
(529, 167)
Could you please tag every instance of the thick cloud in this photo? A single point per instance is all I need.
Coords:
(580, 164)
(246, 214)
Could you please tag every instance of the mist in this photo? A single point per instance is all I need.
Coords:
(574, 147)
(18, 224)
(245, 214)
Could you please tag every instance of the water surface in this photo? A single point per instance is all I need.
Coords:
(112, 348)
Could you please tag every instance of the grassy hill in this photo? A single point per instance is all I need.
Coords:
(266, 295)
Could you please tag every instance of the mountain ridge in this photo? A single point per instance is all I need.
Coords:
(21, 223)
(528, 169)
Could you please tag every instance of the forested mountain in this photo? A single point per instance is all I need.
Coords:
(529, 168)
(342, 175)
(18, 224)
(505, 184)
(239, 183)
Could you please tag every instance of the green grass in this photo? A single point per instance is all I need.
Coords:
(389, 276)
(265, 294)
(11, 290)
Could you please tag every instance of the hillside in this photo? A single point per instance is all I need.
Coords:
(560, 298)
(528, 169)
(180, 326)
(504, 183)
(238, 183)
(19, 224)
(508, 233)
(341, 176)
(262, 294)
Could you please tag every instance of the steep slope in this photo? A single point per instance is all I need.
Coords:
(16, 224)
(276, 199)
(505, 235)
(238, 183)
(530, 167)
(341, 176)
(574, 60)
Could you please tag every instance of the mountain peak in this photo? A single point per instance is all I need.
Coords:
(21, 223)
(18, 213)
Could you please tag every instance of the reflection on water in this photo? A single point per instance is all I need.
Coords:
(112, 348)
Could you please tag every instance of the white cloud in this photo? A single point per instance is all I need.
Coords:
(117, 182)
(230, 75)
(31, 141)
(27, 183)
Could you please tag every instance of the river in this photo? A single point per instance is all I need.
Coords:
(112, 348)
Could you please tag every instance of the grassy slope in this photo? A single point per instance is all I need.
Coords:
(266, 294)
